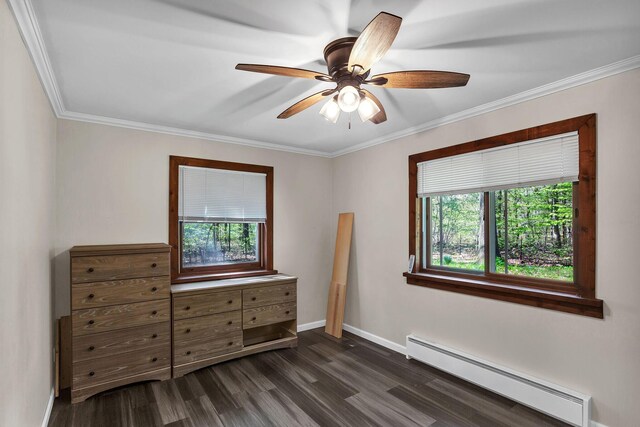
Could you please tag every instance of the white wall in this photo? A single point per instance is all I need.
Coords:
(113, 187)
(598, 357)
(27, 157)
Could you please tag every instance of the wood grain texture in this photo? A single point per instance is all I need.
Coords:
(65, 352)
(374, 41)
(139, 338)
(124, 249)
(105, 369)
(114, 317)
(267, 315)
(98, 294)
(338, 287)
(205, 348)
(186, 306)
(305, 103)
(420, 79)
(281, 71)
(323, 382)
(115, 267)
(267, 295)
(201, 327)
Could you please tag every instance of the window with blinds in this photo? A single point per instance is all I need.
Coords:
(217, 195)
(509, 217)
(221, 218)
(525, 192)
(530, 163)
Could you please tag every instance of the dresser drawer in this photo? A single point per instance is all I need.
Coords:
(114, 267)
(200, 305)
(140, 338)
(95, 371)
(204, 327)
(115, 317)
(268, 295)
(269, 314)
(98, 294)
(190, 351)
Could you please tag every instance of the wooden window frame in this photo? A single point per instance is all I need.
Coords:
(265, 231)
(577, 297)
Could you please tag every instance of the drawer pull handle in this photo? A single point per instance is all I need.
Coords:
(287, 294)
(91, 373)
(154, 265)
(91, 348)
(154, 336)
(91, 296)
(188, 330)
(91, 322)
(253, 318)
(154, 312)
(154, 289)
(253, 299)
(187, 307)
(230, 322)
(90, 270)
(230, 343)
(230, 301)
(155, 359)
(188, 352)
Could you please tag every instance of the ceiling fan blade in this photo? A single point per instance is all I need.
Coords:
(381, 116)
(283, 71)
(374, 41)
(305, 103)
(420, 79)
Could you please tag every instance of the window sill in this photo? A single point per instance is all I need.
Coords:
(221, 276)
(569, 303)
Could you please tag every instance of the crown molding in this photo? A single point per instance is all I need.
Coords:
(91, 118)
(30, 31)
(548, 89)
(32, 37)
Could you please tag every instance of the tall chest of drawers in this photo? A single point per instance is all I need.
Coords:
(120, 316)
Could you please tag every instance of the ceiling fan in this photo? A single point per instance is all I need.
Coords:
(349, 61)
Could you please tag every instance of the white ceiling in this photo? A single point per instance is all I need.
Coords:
(171, 62)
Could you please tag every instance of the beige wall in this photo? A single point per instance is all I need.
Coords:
(598, 357)
(27, 156)
(113, 187)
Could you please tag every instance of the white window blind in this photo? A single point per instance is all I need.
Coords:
(217, 195)
(541, 161)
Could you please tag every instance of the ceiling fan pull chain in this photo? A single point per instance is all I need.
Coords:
(349, 121)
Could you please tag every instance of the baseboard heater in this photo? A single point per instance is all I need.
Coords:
(555, 401)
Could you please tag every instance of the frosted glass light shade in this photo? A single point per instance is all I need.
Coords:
(348, 99)
(367, 109)
(331, 111)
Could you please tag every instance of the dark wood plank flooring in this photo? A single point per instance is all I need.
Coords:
(324, 382)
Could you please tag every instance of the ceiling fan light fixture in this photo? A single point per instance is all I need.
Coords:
(367, 109)
(331, 110)
(348, 99)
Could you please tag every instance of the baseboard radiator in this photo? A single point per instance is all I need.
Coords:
(555, 401)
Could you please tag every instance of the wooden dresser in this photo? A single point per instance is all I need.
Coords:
(225, 319)
(120, 316)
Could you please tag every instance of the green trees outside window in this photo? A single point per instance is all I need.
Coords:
(215, 243)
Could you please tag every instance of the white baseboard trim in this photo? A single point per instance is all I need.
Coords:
(597, 424)
(311, 325)
(376, 339)
(47, 413)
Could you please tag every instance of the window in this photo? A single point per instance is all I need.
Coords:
(220, 219)
(510, 217)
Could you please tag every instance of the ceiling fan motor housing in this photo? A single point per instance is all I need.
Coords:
(336, 54)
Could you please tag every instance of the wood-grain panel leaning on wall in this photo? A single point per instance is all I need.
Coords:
(578, 297)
